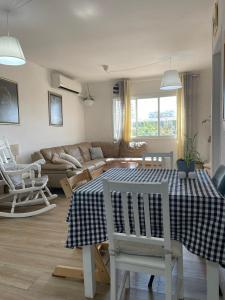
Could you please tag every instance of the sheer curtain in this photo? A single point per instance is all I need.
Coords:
(121, 111)
(186, 110)
(118, 103)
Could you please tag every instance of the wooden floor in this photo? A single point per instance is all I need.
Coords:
(30, 249)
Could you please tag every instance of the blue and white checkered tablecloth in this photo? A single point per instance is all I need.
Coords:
(197, 211)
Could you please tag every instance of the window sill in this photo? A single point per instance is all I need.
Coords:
(139, 138)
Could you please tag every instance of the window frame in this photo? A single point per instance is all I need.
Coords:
(158, 96)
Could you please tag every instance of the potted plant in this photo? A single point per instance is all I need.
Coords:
(191, 156)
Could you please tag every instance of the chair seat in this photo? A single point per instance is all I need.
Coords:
(137, 263)
(155, 251)
(39, 181)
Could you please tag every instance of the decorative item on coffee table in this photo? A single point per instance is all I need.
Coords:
(186, 166)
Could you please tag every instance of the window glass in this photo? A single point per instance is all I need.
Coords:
(168, 116)
(153, 116)
(147, 117)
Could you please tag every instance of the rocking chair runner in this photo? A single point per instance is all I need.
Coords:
(24, 187)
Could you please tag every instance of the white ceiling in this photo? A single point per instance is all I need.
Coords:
(78, 36)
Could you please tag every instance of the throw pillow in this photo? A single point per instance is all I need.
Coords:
(96, 152)
(57, 160)
(71, 159)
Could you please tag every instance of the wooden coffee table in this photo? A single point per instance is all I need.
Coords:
(120, 164)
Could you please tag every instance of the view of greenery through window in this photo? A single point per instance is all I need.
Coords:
(154, 116)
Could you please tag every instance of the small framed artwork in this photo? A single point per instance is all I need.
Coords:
(9, 102)
(55, 109)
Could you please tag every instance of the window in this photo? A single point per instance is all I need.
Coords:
(153, 117)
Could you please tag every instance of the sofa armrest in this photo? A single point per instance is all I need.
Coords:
(36, 156)
(56, 167)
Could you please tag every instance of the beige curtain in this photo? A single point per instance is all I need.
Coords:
(126, 136)
(186, 110)
(180, 120)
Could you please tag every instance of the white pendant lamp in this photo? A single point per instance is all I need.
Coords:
(11, 53)
(170, 80)
(89, 100)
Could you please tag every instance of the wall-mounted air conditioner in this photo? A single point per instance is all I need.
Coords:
(62, 82)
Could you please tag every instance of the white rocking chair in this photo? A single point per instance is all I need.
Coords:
(26, 186)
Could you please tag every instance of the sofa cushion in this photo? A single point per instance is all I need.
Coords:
(71, 159)
(48, 152)
(56, 159)
(54, 167)
(84, 148)
(74, 151)
(96, 152)
(109, 149)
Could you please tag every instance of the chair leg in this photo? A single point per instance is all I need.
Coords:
(150, 283)
(113, 292)
(180, 274)
(128, 281)
(168, 278)
(44, 198)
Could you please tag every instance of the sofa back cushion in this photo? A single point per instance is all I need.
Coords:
(49, 152)
(74, 151)
(109, 149)
(85, 150)
(96, 152)
(71, 159)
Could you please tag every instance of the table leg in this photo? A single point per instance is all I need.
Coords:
(212, 270)
(89, 271)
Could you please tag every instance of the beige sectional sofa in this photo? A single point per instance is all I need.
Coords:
(81, 151)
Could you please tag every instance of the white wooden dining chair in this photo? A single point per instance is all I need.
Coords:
(26, 186)
(158, 157)
(133, 252)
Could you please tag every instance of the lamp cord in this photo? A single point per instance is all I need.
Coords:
(7, 22)
(18, 4)
(22, 4)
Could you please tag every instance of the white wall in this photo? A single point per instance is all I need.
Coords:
(203, 108)
(98, 118)
(34, 131)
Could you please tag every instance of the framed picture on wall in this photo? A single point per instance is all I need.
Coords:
(55, 109)
(9, 102)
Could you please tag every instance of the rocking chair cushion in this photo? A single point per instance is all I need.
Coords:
(39, 181)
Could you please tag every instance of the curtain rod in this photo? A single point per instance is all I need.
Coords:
(159, 77)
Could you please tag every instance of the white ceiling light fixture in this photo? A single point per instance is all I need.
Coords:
(11, 53)
(89, 100)
(170, 80)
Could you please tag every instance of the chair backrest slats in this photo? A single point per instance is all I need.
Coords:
(70, 184)
(7, 161)
(218, 179)
(147, 215)
(138, 195)
(125, 212)
(136, 214)
(95, 173)
(158, 156)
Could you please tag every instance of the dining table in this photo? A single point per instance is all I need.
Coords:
(197, 218)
